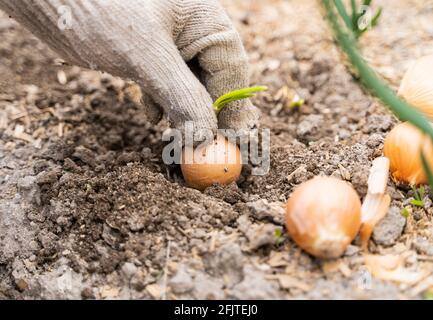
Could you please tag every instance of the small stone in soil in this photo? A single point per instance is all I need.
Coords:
(228, 261)
(182, 281)
(21, 284)
(48, 177)
(262, 235)
(129, 269)
(390, 228)
(29, 189)
(128, 157)
(254, 286)
(423, 246)
(264, 210)
(208, 288)
(87, 293)
(85, 155)
(309, 128)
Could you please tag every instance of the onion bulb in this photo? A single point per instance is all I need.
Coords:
(403, 147)
(323, 216)
(217, 163)
(417, 86)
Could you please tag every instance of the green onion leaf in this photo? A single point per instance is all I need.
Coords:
(343, 13)
(236, 95)
(375, 19)
(355, 14)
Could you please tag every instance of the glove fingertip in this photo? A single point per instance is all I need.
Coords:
(239, 115)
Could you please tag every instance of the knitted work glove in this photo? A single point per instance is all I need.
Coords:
(150, 42)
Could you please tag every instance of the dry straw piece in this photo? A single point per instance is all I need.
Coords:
(377, 201)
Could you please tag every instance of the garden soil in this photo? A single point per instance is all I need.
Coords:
(88, 209)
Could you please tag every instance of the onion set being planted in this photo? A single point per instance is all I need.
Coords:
(219, 162)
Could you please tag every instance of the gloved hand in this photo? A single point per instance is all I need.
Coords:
(150, 42)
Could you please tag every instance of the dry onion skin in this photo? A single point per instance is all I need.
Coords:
(376, 203)
(403, 147)
(323, 216)
(417, 86)
(217, 163)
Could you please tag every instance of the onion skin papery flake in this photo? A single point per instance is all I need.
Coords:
(377, 201)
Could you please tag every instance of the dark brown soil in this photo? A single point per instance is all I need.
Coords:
(88, 209)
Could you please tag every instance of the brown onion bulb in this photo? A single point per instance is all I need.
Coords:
(403, 147)
(323, 216)
(417, 85)
(219, 162)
